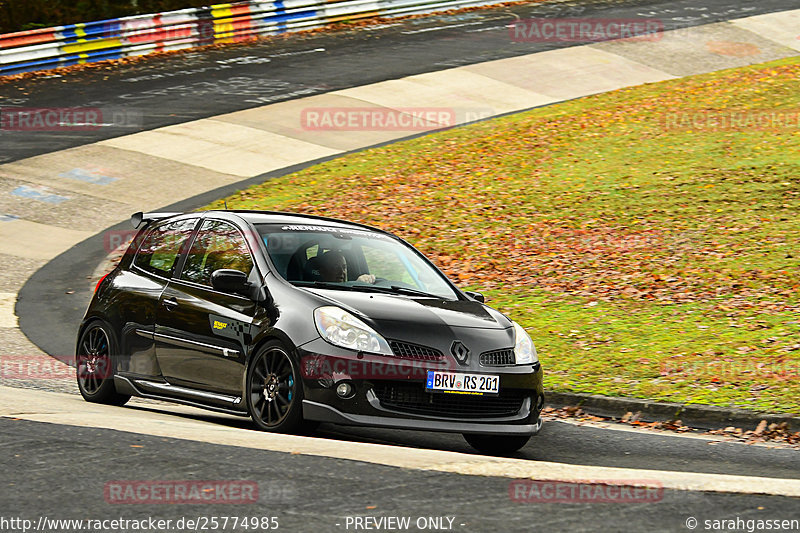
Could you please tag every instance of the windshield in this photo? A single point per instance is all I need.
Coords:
(350, 259)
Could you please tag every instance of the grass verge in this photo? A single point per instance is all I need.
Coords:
(647, 253)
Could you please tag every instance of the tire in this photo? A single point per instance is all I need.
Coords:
(274, 390)
(496, 444)
(94, 367)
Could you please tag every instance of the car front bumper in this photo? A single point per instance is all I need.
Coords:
(325, 413)
(390, 392)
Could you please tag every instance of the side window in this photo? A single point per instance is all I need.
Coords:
(217, 245)
(160, 248)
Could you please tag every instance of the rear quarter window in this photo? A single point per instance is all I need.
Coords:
(160, 249)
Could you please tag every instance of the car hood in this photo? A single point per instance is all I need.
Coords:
(391, 310)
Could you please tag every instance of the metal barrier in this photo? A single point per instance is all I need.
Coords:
(188, 28)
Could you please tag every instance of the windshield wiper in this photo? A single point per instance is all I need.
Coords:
(396, 289)
(322, 285)
(417, 292)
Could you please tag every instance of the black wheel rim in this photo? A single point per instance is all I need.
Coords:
(93, 360)
(272, 387)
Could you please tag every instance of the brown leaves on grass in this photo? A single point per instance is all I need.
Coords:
(501, 203)
(598, 261)
(763, 432)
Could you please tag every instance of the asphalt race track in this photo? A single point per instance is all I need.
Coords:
(155, 93)
(60, 454)
(317, 493)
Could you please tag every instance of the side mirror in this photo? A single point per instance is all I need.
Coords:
(478, 297)
(228, 280)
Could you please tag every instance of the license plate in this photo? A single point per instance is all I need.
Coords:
(459, 383)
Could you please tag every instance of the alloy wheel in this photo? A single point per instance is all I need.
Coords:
(94, 360)
(273, 387)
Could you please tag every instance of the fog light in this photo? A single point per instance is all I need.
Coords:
(344, 389)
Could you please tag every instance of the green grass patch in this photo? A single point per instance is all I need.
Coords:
(646, 258)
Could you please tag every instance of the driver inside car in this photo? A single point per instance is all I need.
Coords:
(333, 267)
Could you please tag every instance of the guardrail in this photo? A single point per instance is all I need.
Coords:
(188, 28)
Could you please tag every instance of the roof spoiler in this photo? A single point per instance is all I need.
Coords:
(138, 218)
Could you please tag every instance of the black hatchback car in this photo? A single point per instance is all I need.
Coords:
(293, 320)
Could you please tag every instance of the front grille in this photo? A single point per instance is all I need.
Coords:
(414, 351)
(412, 398)
(498, 358)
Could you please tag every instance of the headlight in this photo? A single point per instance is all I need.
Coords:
(524, 350)
(341, 328)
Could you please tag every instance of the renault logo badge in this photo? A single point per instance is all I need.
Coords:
(460, 352)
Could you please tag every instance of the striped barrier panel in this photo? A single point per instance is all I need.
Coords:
(137, 35)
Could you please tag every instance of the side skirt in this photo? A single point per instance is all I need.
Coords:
(155, 390)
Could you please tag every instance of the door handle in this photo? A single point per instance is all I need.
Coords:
(170, 303)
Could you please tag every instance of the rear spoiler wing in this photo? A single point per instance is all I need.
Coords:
(138, 218)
